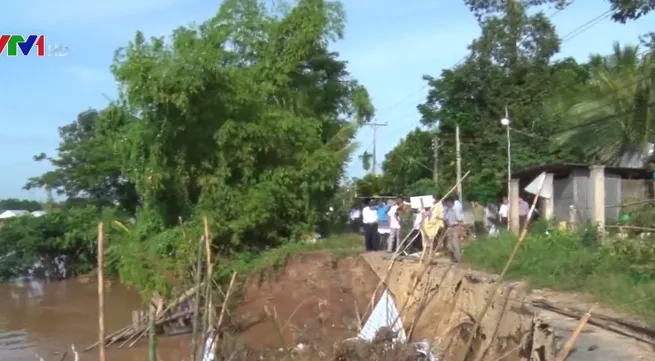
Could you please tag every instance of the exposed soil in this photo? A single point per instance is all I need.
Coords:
(513, 329)
(314, 302)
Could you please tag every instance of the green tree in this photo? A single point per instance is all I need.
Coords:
(87, 168)
(20, 204)
(622, 10)
(613, 117)
(509, 67)
(248, 118)
(371, 185)
(59, 238)
(410, 161)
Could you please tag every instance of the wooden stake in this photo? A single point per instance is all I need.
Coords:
(196, 304)
(208, 309)
(459, 163)
(101, 292)
(152, 332)
(227, 296)
(564, 352)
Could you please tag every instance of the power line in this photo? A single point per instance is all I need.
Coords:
(576, 32)
(566, 37)
(586, 26)
(424, 86)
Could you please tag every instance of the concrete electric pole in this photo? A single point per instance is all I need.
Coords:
(375, 133)
(459, 163)
(435, 152)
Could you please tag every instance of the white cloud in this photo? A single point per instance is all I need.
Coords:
(89, 75)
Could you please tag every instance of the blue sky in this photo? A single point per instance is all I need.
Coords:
(389, 44)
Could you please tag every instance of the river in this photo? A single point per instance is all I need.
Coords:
(46, 318)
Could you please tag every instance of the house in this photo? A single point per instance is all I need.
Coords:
(578, 185)
(13, 213)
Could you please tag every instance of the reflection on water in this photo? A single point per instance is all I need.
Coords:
(46, 318)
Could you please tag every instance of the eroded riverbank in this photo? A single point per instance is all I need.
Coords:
(318, 301)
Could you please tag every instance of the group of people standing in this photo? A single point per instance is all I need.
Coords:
(502, 215)
(382, 223)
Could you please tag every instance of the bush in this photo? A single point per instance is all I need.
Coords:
(620, 273)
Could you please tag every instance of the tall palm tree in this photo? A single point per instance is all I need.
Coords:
(613, 120)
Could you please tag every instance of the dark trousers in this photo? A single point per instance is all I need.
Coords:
(370, 236)
(355, 225)
(417, 243)
(478, 226)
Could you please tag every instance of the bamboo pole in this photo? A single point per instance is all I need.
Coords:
(101, 292)
(499, 281)
(208, 314)
(564, 352)
(196, 304)
(152, 332)
(227, 296)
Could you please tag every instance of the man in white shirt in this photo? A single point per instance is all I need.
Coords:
(503, 212)
(394, 225)
(355, 219)
(458, 206)
(370, 221)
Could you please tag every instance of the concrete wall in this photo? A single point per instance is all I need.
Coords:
(576, 189)
(635, 189)
(563, 197)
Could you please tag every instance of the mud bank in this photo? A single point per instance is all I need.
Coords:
(314, 299)
(511, 330)
(317, 302)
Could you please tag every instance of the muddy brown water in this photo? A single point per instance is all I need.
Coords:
(46, 318)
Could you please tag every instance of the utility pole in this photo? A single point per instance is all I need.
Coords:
(459, 163)
(435, 150)
(506, 123)
(375, 134)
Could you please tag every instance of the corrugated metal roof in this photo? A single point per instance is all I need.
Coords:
(624, 172)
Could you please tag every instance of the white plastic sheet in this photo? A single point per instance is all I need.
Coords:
(209, 349)
(385, 314)
(416, 203)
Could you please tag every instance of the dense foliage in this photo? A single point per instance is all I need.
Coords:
(247, 118)
(20, 204)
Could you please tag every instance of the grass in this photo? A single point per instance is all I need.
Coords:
(620, 274)
(340, 245)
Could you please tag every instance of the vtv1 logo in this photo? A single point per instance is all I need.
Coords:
(14, 43)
